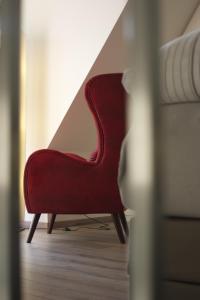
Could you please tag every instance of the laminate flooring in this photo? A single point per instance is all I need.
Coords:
(87, 264)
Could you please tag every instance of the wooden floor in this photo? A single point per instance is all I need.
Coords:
(88, 264)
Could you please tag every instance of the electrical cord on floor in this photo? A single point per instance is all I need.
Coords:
(103, 226)
(21, 229)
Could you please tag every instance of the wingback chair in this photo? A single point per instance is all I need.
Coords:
(64, 183)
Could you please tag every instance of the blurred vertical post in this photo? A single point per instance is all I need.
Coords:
(142, 157)
(22, 126)
(9, 150)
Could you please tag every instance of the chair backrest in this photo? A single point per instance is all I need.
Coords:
(106, 98)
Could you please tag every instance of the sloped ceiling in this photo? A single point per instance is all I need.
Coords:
(194, 22)
(175, 16)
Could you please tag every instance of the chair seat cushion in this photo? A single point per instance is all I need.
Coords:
(55, 182)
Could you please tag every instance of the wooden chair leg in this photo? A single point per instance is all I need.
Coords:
(119, 228)
(33, 227)
(50, 227)
(124, 223)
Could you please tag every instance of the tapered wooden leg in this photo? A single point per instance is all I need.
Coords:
(33, 227)
(119, 228)
(124, 223)
(50, 227)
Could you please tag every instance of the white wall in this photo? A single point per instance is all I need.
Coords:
(63, 39)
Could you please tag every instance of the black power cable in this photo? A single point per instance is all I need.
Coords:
(103, 226)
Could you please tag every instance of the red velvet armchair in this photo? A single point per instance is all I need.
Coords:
(62, 183)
